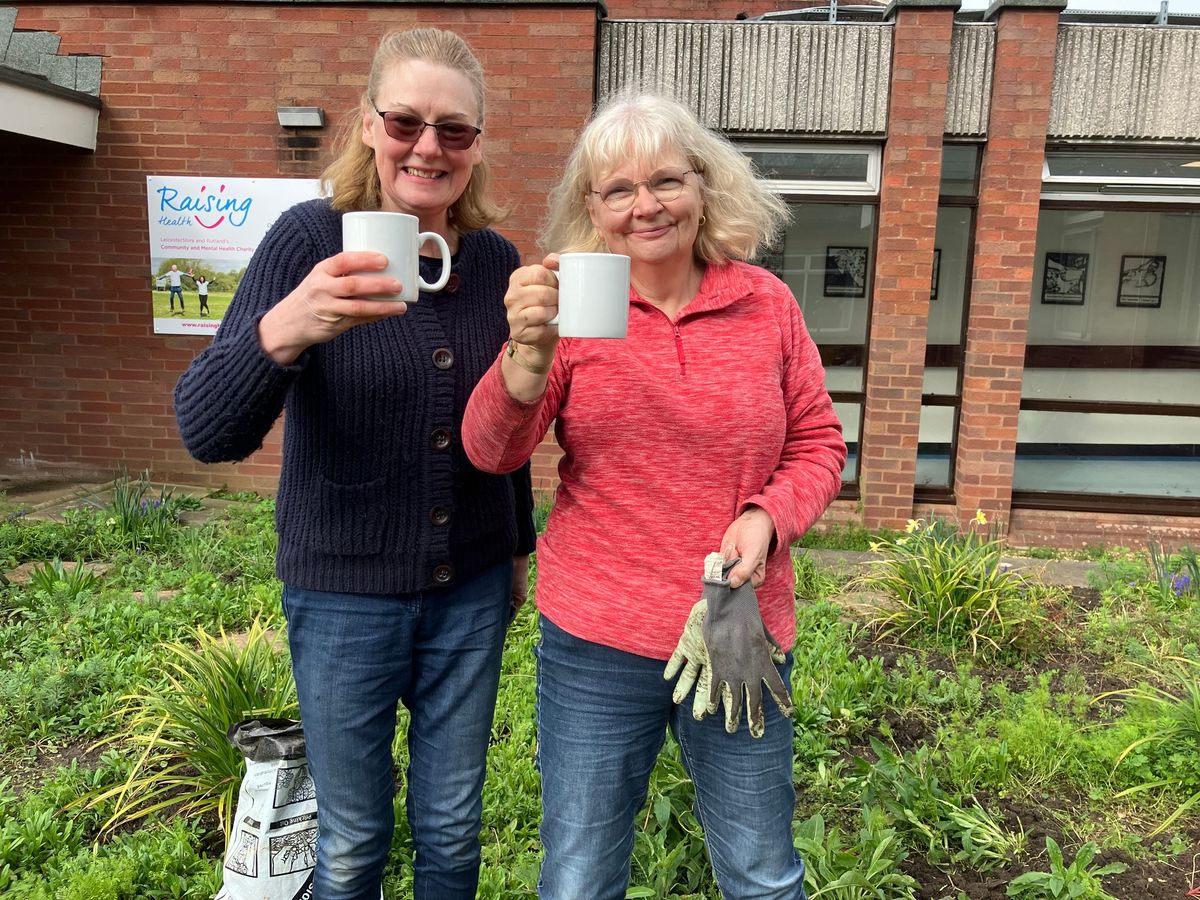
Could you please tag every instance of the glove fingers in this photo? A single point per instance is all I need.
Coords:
(686, 680)
(674, 663)
(733, 707)
(700, 701)
(754, 709)
(779, 691)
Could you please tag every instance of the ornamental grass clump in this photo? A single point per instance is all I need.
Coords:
(952, 588)
(179, 726)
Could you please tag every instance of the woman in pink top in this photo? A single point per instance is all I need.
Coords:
(708, 428)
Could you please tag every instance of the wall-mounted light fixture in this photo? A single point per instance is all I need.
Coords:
(300, 116)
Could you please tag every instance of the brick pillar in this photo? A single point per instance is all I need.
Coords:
(912, 167)
(1005, 236)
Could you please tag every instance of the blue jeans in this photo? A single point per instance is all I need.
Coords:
(602, 719)
(354, 657)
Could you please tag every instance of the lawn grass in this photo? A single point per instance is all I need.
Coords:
(218, 302)
(920, 769)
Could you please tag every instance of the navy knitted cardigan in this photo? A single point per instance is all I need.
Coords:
(375, 494)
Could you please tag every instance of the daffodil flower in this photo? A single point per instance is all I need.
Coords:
(980, 518)
(913, 525)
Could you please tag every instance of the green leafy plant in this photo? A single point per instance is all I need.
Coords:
(181, 725)
(1176, 575)
(907, 788)
(951, 587)
(141, 519)
(668, 857)
(543, 502)
(1078, 881)
(54, 579)
(843, 536)
(867, 869)
(1176, 734)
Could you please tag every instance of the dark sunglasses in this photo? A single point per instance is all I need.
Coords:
(407, 128)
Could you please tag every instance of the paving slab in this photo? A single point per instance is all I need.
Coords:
(1069, 573)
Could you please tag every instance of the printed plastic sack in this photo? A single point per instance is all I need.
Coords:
(273, 845)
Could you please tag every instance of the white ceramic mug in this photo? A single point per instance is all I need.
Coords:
(593, 295)
(398, 237)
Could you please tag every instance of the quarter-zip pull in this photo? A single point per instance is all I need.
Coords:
(679, 351)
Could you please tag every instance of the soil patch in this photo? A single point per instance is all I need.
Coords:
(30, 776)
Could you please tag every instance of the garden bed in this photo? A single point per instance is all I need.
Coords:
(931, 762)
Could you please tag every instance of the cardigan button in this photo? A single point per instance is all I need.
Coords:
(440, 438)
(442, 574)
(452, 283)
(439, 515)
(443, 358)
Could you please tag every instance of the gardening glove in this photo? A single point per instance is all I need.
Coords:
(729, 652)
(697, 672)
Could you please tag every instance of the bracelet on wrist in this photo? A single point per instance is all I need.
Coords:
(524, 363)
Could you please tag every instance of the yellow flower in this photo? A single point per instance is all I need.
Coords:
(980, 518)
(913, 525)
(876, 546)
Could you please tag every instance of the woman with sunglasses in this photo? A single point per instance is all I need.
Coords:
(708, 429)
(402, 563)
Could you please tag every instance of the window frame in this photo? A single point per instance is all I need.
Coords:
(1080, 501)
(868, 187)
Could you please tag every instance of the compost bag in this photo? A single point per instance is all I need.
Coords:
(273, 845)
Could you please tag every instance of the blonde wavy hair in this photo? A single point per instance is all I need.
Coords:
(742, 217)
(352, 182)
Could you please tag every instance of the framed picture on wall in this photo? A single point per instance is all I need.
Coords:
(845, 271)
(1141, 281)
(772, 261)
(937, 266)
(1065, 278)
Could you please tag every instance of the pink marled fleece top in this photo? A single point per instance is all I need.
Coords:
(667, 437)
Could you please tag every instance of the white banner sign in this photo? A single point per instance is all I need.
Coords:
(203, 232)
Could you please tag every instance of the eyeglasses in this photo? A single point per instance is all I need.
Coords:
(664, 185)
(450, 135)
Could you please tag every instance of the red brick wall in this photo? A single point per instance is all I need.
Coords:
(1005, 236)
(912, 166)
(192, 90)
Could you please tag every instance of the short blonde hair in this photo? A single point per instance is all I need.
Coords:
(352, 182)
(742, 217)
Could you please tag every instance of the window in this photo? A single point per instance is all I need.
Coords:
(827, 257)
(1111, 394)
(836, 311)
(941, 395)
(1145, 177)
(821, 169)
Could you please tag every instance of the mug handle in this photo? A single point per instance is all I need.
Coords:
(554, 321)
(445, 248)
